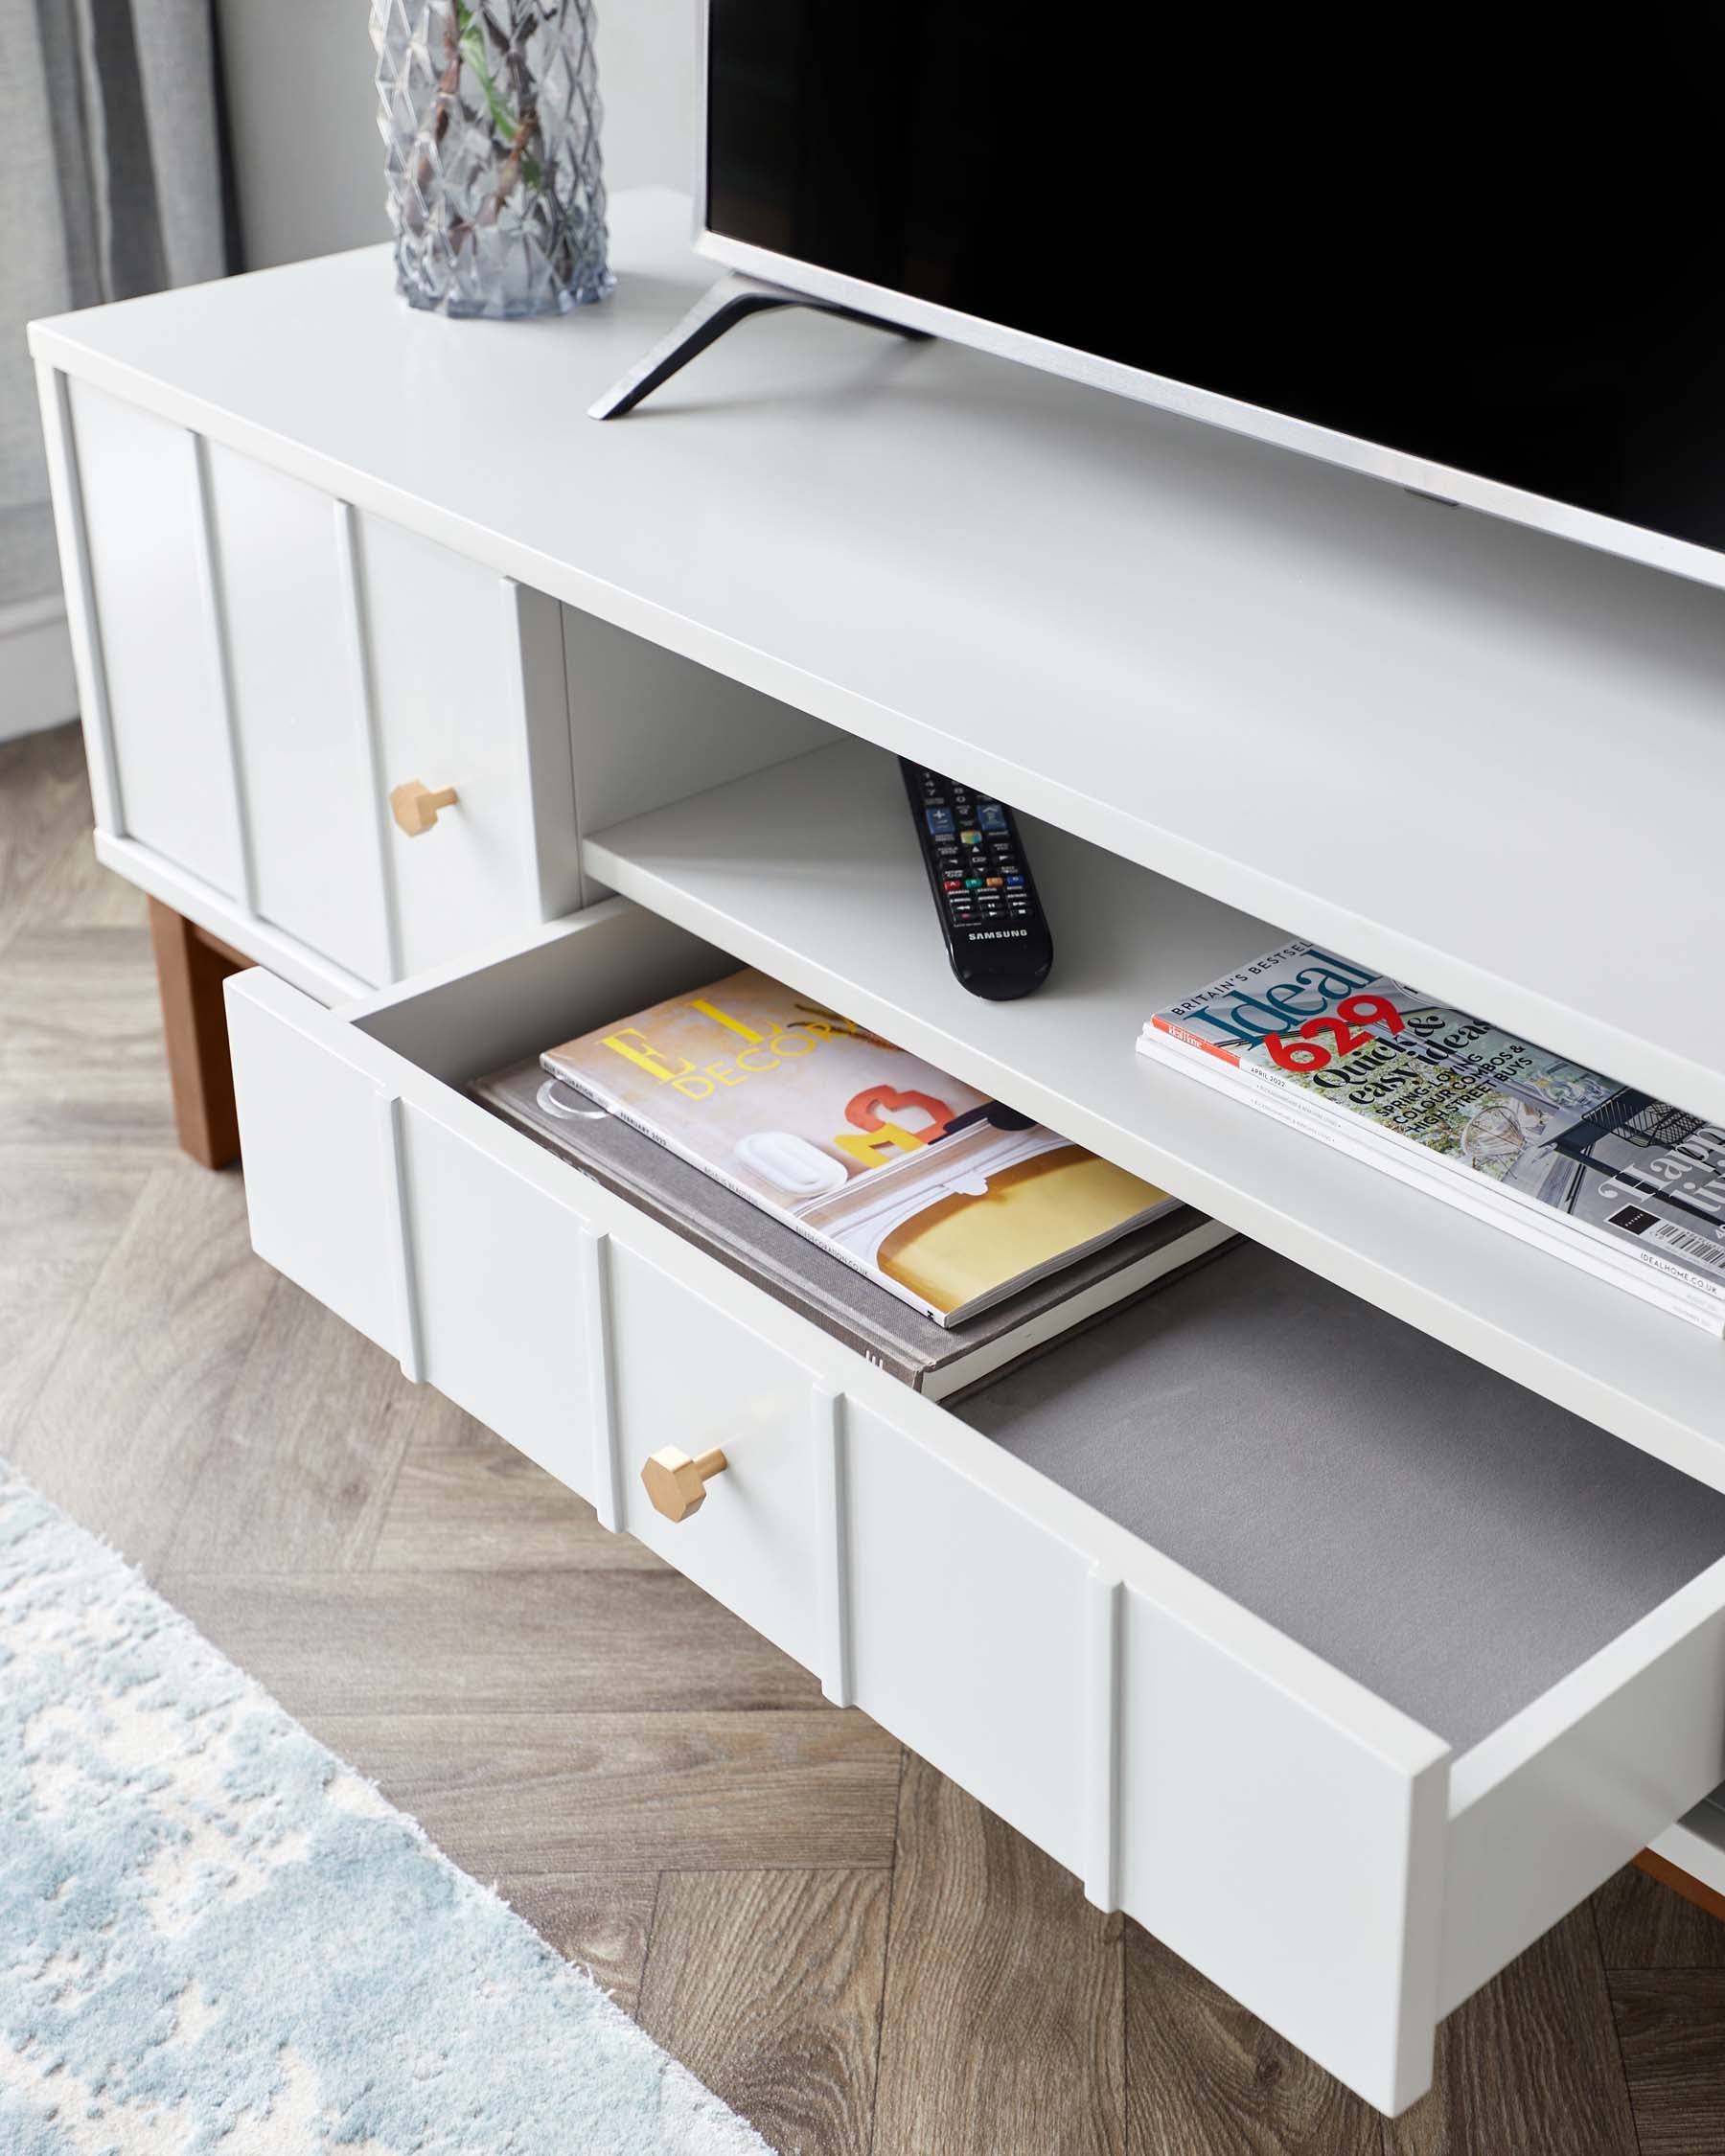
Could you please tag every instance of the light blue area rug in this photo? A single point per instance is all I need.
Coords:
(214, 1937)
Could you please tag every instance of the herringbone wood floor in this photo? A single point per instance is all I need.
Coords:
(834, 1937)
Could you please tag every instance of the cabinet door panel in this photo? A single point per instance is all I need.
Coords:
(446, 693)
(138, 477)
(299, 714)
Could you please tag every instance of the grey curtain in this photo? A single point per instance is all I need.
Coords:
(111, 185)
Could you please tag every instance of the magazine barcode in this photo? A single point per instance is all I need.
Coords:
(1692, 1245)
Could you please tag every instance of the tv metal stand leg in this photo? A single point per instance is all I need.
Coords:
(732, 298)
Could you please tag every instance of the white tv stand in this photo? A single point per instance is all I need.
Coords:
(317, 546)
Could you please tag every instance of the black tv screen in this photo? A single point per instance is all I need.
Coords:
(1487, 241)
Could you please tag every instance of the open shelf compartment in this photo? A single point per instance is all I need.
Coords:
(809, 870)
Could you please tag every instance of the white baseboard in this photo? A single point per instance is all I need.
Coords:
(37, 684)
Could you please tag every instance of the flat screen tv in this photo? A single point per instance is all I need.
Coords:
(1474, 252)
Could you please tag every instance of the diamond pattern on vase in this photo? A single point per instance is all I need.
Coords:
(490, 117)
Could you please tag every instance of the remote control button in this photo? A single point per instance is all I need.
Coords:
(940, 820)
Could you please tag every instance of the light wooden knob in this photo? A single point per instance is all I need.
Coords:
(414, 805)
(678, 1484)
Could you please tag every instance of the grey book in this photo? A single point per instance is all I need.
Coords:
(938, 1359)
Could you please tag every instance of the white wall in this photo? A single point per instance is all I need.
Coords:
(37, 684)
(306, 154)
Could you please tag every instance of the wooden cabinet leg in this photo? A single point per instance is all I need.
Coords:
(1673, 1875)
(190, 968)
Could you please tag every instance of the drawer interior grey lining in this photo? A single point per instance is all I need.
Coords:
(1452, 1540)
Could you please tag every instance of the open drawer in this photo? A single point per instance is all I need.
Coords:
(1025, 1608)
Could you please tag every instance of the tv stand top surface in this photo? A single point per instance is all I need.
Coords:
(1482, 758)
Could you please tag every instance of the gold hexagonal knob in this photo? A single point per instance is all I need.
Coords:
(678, 1484)
(414, 805)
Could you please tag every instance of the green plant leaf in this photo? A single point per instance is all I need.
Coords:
(472, 50)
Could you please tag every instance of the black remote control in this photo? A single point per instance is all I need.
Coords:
(996, 934)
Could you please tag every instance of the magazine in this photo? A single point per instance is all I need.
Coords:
(1549, 1144)
(946, 1199)
(1477, 1201)
(943, 1362)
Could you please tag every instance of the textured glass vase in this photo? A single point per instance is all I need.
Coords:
(490, 123)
